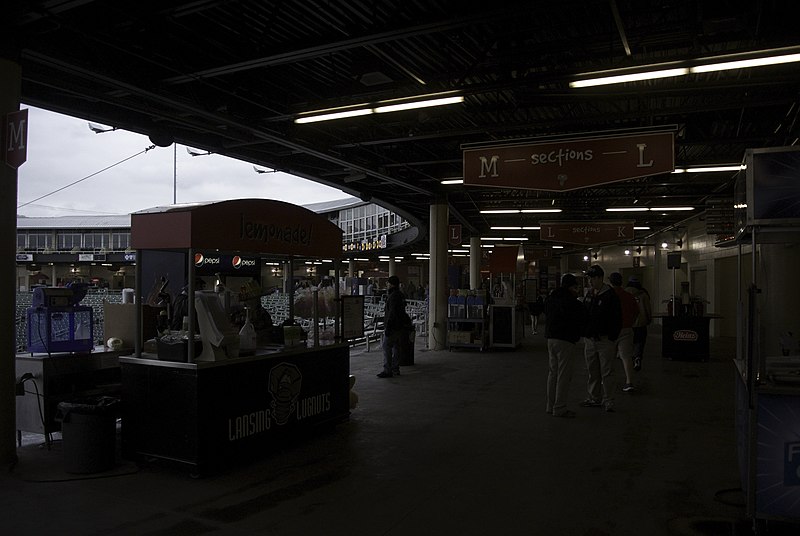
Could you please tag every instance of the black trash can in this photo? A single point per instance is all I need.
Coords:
(89, 433)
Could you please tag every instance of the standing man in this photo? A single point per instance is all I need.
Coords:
(642, 320)
(566, 320)
(395, 329)
(630, 309)
(602, 329)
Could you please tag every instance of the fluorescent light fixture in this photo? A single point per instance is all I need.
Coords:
(539, 210)
(417, 104)
(505, 228)
(627, 209)
(655, 209)
(642, 228)
(558, 247)
(745, 64)
(361, 260)
(487, 245)
(512, 239)
(452, 181)
(502, 211)
(535, 228)
(487, 238)
(635, 77)
(709, 169)
(657, 72)
(335, 115)
(459, 251)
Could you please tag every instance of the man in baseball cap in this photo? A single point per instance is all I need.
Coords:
(602, 330)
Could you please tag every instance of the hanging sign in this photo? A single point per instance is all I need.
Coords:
(570, 164)
(454, 235)
(15, 138)
(586, 233)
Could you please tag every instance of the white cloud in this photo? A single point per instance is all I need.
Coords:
(63, 150)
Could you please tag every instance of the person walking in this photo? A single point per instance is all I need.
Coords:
(566, 319)
(643, 319)
(535, 309)
(630, 310)
(396, 323)
(602, 329)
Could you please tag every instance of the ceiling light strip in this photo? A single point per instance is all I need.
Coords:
(681, 71)
(379, 109)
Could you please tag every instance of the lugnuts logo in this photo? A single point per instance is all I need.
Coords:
(685, 335)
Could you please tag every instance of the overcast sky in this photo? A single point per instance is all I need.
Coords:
(63, 150)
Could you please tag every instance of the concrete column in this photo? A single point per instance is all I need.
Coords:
(475, 262)
(10, 81)
(437, 277)
(392, 267)
(351, 268)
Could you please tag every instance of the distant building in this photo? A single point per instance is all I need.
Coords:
(96, 249)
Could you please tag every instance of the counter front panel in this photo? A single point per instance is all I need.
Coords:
(209, 416)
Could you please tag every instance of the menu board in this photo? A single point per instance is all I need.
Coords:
(352, 317)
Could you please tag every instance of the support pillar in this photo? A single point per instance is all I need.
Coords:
(10, 82)
(392, 267)
(437, 277)
(475, 262)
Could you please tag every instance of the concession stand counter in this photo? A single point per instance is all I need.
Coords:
(767, 362)
(199, 400)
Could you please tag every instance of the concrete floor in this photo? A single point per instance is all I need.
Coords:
(458, 444)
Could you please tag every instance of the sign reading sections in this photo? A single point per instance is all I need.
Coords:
(570, 164)
(586, 233)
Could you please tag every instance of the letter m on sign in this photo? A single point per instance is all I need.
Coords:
(15, 139)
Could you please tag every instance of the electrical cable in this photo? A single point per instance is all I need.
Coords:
(86, 177)
(25, 378)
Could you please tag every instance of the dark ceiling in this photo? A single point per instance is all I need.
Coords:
(230, 76)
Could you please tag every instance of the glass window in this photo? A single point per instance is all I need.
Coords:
(40, 241)
(68, 240)
(96, 240)
(120, 241)
(21, 240)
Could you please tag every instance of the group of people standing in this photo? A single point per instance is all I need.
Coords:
(612, 321)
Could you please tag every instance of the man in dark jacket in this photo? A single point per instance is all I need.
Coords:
(602, 330)
(396, 325)
(566, 320)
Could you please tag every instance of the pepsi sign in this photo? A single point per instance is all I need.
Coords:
(212, 263)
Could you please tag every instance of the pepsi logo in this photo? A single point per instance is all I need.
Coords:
(199, 259)
(236, 261)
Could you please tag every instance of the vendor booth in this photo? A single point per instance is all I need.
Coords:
(768, 355)
(203, 394)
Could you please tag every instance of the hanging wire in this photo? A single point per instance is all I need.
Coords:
(86, 177)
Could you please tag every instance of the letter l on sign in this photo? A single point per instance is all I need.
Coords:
(15, 138)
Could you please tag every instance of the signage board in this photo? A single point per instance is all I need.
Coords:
(570, 164)
(454, 235)
(212, 263)
(586, 233)
(352, 317)
(15, 138)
